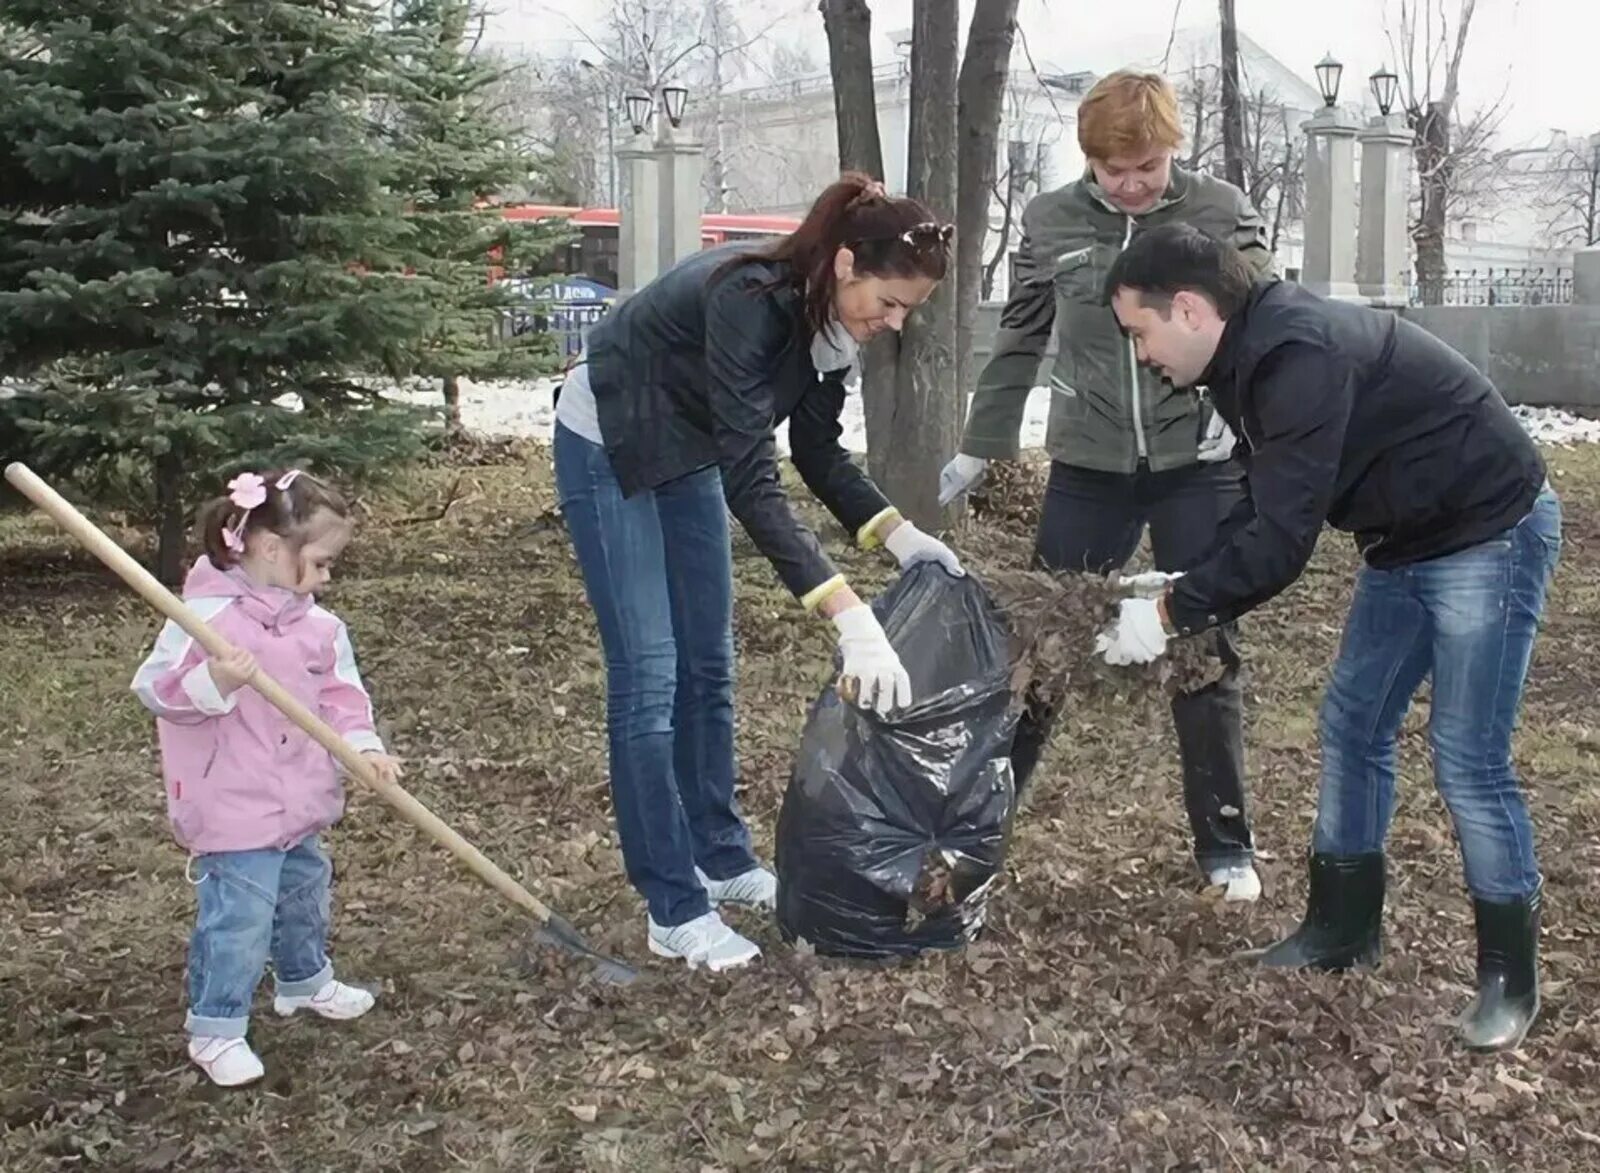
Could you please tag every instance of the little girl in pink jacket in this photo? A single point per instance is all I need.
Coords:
(247, 791)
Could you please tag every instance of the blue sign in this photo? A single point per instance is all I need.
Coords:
(572, 289)
(571, 306)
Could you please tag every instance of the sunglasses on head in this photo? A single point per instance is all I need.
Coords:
(928, 230)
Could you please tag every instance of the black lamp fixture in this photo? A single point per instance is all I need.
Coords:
(638, 111)
(1385, 85)
(674, 98)
(1328, 74)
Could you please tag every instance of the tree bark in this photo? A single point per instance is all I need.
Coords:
(1434, 184)
(1591, 218)
(1232, 109)
(855, 108)
(1432, 117)
(855, 104)
(980, 95)
(171, 535)
(450, 385)
(925, 416)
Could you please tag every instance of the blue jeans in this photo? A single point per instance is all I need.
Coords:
(1469, 620)
(658, 568)
(256, 906)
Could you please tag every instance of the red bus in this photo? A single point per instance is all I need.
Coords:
(594, 253)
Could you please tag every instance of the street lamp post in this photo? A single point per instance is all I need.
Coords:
(1330, 224)
(1382, 244)
(640, 201)
(682, 176)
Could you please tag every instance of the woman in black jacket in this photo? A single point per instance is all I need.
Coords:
(663, 428)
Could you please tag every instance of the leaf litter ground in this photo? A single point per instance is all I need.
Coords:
(1101, 1024)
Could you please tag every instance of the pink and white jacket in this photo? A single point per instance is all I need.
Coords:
(240, 775)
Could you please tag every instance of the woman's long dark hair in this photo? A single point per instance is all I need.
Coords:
(889, 236)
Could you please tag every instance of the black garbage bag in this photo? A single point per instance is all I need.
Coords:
(892, 832)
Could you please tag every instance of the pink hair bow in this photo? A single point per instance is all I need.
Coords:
(247, 491)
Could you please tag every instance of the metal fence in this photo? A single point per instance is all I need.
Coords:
(1507, 286)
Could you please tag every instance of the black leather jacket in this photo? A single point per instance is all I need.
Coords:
(697, 369)
(1356, 417)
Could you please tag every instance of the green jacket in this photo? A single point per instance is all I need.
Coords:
(1106, 411)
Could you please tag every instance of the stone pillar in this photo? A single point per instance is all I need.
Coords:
(1383, 247)
(639, 212)
(1586, 276)
(682, 199)
(1330, 260)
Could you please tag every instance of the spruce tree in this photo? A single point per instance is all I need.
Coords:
(199, 226)
(461, 154)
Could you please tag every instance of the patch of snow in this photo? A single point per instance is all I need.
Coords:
(525, 408)
(1551, 425)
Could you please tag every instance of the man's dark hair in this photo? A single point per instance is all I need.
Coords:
(1164, 261)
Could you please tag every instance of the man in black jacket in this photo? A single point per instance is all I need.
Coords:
(1355, 417)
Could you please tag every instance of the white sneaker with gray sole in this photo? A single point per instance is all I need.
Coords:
(703, 941)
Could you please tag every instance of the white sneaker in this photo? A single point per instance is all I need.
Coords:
(703, 941)
(756, 888)
(1241, 881)
(226, 1062)
(335, 1000)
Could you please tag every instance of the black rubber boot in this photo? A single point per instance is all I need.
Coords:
(1344, 917)
(1508, 974)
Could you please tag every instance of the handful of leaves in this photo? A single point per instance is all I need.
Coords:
(1054, 619)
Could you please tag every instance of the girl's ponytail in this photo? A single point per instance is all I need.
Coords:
(281, 501)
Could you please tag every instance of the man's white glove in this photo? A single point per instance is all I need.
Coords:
(872, 676)
(1152, 584)
(1137, 636)
(1218, 443)
(910, 545)
(959, 476)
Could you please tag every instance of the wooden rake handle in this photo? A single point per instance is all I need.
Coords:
(64, 514)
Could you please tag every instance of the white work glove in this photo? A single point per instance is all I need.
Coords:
(1137, 636)
(959, 476)
(872, 676)
(910, 545)
(1218, 443)
(1152, 584)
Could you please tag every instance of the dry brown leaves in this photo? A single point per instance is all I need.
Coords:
(1055, 619)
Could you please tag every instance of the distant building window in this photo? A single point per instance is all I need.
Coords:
(1469, 230)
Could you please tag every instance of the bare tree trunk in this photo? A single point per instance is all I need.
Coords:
(980, 96)
(855, 103)
(1431, 117)
(925, 415)
(170, 535)
(1591, 218)
(1433, 166)
(450, 385)
(855, 108)
(1232, 110)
